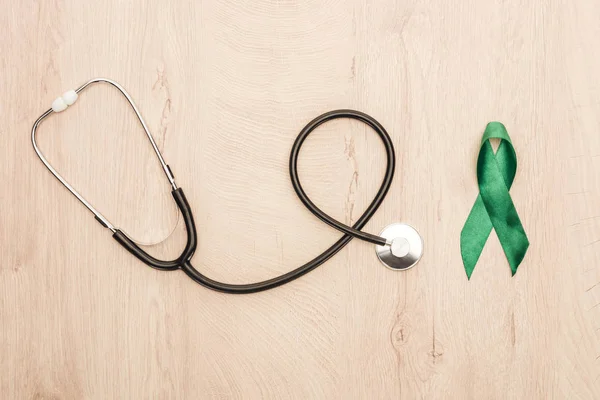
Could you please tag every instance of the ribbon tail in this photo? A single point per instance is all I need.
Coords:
(474, 235)
(515, 244)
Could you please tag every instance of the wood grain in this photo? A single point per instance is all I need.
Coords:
(225, 86)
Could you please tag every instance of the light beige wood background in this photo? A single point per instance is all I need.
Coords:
(225, 86)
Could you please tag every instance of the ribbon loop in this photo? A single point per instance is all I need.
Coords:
(494, 208)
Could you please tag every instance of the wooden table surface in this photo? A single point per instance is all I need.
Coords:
(225, 86)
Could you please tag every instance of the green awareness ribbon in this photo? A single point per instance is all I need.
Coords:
(494, 207)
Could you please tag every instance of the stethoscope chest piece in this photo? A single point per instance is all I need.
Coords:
(404, 248)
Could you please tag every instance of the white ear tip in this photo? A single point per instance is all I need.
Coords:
(59, 105)
(69, 97)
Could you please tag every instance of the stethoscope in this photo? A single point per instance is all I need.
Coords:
(398, 246)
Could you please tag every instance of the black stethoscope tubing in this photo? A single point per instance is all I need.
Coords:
(183, 262)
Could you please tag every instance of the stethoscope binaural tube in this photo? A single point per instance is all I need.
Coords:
(385, 245)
